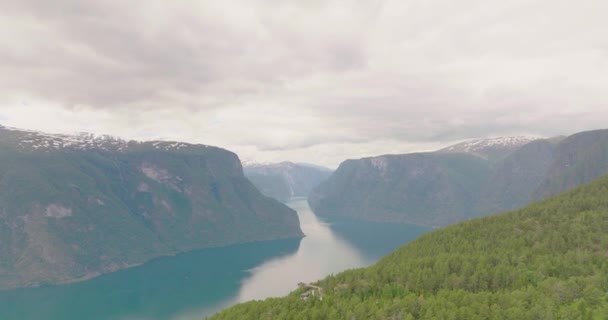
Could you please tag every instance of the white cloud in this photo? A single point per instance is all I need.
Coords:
(316, 81)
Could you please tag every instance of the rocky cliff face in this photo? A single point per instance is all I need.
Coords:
(463, 181)
(73, 207)
(285, 180)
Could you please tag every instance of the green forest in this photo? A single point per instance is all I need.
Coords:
(546, 261)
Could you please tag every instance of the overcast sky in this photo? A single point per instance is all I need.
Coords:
(313, 81)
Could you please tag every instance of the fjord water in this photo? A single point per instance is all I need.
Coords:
(196, 284)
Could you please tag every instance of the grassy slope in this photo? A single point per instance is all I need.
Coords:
(546, 261)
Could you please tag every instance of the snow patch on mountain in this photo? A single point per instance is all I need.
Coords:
(487, 148)
(474, 145)
(82, 141)
(249, 163)
(36, 140)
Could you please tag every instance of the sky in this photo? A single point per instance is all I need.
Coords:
(307, 81)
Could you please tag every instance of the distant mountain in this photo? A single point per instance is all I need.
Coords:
(546, 261)
(76, 206)
(462, 181)
(284, 180)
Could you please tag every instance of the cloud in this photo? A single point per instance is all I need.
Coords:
(276, 79)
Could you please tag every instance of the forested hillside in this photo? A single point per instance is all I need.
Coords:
(546, 261)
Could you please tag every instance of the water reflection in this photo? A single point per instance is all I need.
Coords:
(321, 253)
(181, 287)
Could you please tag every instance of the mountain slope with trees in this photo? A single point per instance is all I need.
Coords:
(74, 207)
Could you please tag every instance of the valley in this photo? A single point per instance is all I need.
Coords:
(545, 261)
(303, 160)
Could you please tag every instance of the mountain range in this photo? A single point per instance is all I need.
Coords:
(76, 206)
(286, 180)
(463, 181)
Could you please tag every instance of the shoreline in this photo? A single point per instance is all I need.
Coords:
(95, 275)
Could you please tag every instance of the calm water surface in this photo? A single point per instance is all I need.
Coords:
(193, 285)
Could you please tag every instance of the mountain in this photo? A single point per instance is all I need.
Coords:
(76, 206)
(424, 188)
(546, 261)
(284, 180)
(463, 181)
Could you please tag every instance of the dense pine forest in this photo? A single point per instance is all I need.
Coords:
(546, 261)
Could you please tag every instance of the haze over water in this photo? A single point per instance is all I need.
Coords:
(193, 285)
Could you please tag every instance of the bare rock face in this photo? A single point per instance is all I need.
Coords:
(57, 211)
(73, 207)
